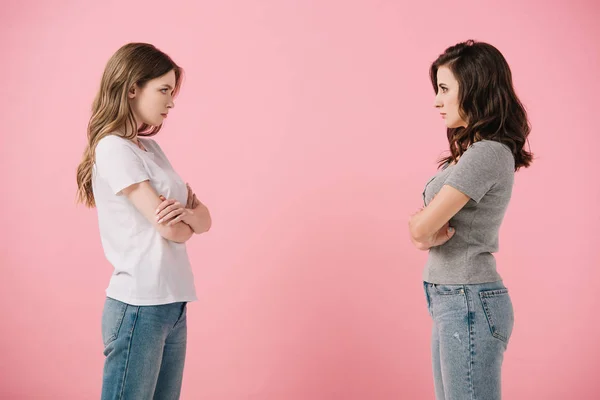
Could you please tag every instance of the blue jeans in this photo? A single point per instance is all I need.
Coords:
(145, 350)
(471, 328)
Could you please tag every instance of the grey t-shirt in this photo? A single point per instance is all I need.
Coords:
(485, 173)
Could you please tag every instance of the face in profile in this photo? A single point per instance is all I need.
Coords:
(446, 99)
(152, 102)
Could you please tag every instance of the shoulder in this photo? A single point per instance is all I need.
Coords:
(495, 156)
(492, 151)
(491, 146)
(111, 142)
(113, 147)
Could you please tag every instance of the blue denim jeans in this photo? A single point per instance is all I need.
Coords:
(472, 325)
(145, 350)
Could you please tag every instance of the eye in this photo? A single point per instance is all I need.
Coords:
(444, 89)
(164, 90)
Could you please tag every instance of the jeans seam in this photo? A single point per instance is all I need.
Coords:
(128, 353)
(468, 298)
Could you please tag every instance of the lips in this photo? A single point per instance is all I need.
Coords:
(164, 115)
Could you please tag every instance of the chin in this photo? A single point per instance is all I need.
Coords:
(153, 122)
(453, 125)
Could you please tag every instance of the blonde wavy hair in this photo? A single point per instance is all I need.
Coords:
(133, 64)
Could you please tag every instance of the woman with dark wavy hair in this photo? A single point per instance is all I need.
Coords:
(464, 205)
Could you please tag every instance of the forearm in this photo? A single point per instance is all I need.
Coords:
(199, 219)
(416, 236)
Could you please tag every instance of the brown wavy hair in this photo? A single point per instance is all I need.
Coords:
(487, 98)
(134, 63)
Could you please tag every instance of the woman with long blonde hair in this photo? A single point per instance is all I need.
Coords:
(146, 213)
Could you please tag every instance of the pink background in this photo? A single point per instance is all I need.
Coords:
(308, 129)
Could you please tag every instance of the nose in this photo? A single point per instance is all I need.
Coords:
(171, 104)
(437, 103)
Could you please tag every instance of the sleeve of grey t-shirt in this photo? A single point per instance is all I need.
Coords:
(477, 170)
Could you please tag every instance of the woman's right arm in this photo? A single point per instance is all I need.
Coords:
(125, 173)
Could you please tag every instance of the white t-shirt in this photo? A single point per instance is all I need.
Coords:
(148, 269)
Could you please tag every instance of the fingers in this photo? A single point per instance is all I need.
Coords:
(169, 216)
(190, 191)
(176, 219)
(195, 202)
(165, 203)
(168, 212)
(171, 205)
(443, 235)
(190, 200)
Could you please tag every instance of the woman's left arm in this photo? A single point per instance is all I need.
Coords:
(194, 213)
(199, 217)
(477, 170)
(430, 226)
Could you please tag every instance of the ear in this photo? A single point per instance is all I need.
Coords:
(132, 92)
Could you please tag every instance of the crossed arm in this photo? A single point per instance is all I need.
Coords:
(430, 226)
(172, 220)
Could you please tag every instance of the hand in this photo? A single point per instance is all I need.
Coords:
(442, 236)
(196, 202)
(190, 197)
(192, 200)
(171, 211)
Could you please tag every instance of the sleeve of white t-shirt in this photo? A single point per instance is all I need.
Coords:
(118, 165)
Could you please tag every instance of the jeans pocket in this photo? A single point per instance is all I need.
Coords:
(112, 319)
(182, 315)
(498, 310)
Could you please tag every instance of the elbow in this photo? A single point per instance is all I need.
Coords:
(419, 242)
(422, 246)
(205, 228)
(417, 231)
(206, 223)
